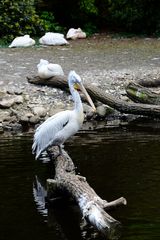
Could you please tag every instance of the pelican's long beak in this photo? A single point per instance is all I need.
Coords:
(82, 88)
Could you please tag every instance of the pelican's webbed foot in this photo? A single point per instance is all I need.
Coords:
(53, 156)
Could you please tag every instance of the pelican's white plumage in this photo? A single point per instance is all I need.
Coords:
(47, 70)
(22, 41)
(51, 38)
(58, 128)
(75, 33)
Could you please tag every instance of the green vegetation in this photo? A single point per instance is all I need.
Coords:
(88, 6)
(35, 17)
(49, 23)
(18, 18)
(136, 16)
(130, 16)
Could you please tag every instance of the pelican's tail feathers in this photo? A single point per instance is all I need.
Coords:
(36, 150)
(34, 147)
(38, 155)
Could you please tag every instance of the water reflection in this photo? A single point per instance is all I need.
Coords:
(117, 162)
(40, 194)
(62, 215)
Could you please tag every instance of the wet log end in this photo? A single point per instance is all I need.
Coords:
(140, 94)
(56, 81)
(97, 217)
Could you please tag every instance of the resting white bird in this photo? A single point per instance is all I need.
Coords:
(47, 70)
(51, 38)
(58, 128)
(22, 41)
(75, 33)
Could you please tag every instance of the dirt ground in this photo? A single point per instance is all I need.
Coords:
(95, 59)
(109, 63)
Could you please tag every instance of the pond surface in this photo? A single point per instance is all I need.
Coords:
(116, 161)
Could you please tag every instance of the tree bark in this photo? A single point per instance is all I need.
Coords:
(91, 205)
(149, 82)
(98, 94)
(141, 94)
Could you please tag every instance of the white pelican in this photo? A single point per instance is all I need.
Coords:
(75, 33)
(47, 70)
(22, 41)
(51, 38)
(59, 127)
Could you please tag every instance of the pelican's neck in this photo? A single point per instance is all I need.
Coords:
(76, 98)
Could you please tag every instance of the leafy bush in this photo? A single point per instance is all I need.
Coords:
(72, 13)
(139, 16)
(49, 22)
(88, 6)
(18, 18)
(89, 28)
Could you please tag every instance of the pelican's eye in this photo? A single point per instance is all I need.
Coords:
(76, 86)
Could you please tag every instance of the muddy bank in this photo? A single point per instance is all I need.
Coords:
(101, 60)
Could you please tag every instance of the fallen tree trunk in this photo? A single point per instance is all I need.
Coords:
(98, 94)
(149, 82)
(141, 94)
(91, 205)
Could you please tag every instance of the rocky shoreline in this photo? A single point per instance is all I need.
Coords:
(23, 105)
(20, 108)
(23, 108)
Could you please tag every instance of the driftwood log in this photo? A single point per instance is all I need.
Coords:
(149, 82)
(98, 94)
(91, 205)
(138, 93)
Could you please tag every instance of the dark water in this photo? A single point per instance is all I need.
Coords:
(117, 162)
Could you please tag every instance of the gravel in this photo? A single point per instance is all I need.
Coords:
(109, 63)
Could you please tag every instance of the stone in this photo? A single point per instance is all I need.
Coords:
(10, 91)
(18, 91)
(25, 117)
(59, 104)
(26, 97)
(7, 102)
(40, 111)
(2, 93)
(86, 108)
(96, 84)
(101, 111)
(4, 116)
(18, 99)
(34, 119)
(88, 111)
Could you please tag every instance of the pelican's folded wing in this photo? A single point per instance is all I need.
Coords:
(46, 132)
